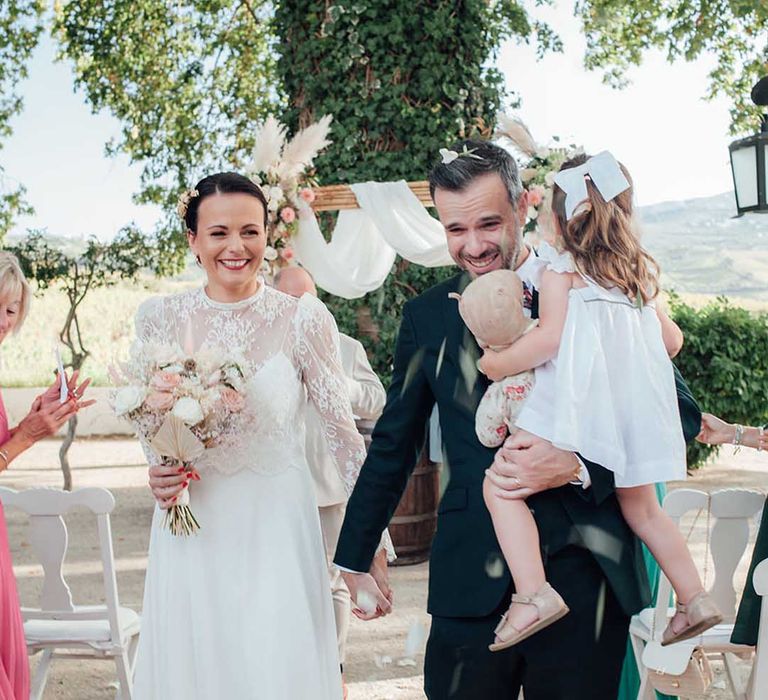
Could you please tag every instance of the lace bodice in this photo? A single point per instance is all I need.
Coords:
(284, 345)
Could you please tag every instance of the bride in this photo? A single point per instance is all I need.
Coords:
(242, 609)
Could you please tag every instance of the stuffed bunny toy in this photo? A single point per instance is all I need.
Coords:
(491, 306)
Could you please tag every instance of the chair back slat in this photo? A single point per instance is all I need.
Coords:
(728, 542)
(48, 538)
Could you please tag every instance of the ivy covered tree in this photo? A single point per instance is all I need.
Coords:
(402, 80)
(99, 265)
(187, 80)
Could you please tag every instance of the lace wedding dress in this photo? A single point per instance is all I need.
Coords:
(242, 609)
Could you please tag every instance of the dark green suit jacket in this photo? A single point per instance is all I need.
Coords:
(435, 362)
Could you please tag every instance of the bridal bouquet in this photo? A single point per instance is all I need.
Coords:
(181, 405)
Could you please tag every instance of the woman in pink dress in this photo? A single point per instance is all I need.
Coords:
(45, 417)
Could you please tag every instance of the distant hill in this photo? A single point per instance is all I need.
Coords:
(703, 249)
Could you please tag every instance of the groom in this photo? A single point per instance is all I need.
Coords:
(590, 555)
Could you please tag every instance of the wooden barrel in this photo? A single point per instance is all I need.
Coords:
(413, 525)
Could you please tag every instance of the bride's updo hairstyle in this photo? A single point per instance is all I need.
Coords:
(602, 238)
(222, 183)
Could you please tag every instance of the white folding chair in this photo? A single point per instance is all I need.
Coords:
(729, 512)
(758, 684)
(86, 631)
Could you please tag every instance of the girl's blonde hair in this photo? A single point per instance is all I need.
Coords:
(602, 238)
(13, 285)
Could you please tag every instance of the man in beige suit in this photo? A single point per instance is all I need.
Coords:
(367, 397)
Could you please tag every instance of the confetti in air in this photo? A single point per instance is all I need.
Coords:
(414, 642)
(494, 566)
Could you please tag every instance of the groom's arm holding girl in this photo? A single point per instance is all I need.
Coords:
(520, 468)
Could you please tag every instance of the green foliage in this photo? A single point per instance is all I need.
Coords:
(20, 29)
(618, 33)
(402, 79)
(725, 363)
(188, 81)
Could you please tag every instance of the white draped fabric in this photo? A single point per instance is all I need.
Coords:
(362, 250)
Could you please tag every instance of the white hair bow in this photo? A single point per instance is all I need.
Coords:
(605, 173)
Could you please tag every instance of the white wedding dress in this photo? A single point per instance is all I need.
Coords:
(242, 609)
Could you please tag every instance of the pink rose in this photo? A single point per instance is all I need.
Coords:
(307, 194)
(232, 400)
(165, 381)
(288, 215)
(159, 401)
(286, 253)
(536, 195)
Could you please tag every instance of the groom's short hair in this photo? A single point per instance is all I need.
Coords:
(476, 158)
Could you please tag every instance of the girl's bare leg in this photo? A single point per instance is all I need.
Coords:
(653, 526)
(519, 540)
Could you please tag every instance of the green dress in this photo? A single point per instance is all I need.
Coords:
(748, 617)
(630, 679)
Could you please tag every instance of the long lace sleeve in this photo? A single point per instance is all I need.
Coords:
(148, 322)
(318, 354)
(319, 359)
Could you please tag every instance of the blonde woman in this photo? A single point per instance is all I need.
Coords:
(715, 431)
(45, 417)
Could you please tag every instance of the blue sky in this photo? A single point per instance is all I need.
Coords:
(674, 143)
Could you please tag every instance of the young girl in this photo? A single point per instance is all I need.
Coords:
(604, 389)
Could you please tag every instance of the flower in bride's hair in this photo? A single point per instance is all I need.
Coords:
(448, 156)
(183, 204)
(159, 401)
(128, 399)
(188, 410)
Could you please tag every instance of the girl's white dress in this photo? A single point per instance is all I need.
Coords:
(610, 392)
(242, 610)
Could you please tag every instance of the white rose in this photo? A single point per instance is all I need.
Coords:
(188, 410)
(527, 174)
(165, 355)
(275, 194)
(128, 399)
(270, 253)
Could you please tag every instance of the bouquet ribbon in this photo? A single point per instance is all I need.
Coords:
(175, 440)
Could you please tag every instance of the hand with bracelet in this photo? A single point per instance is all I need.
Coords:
(715, 431)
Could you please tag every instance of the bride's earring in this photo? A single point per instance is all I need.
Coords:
(198, 262)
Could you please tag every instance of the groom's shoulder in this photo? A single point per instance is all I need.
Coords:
(427, 301)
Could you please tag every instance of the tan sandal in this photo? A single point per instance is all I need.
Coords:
(702, 614)
(550, 606)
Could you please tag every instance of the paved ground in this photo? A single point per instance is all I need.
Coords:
(381, 663)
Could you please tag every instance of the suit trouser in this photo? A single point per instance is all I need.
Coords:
(577, 658)
(331, 519)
